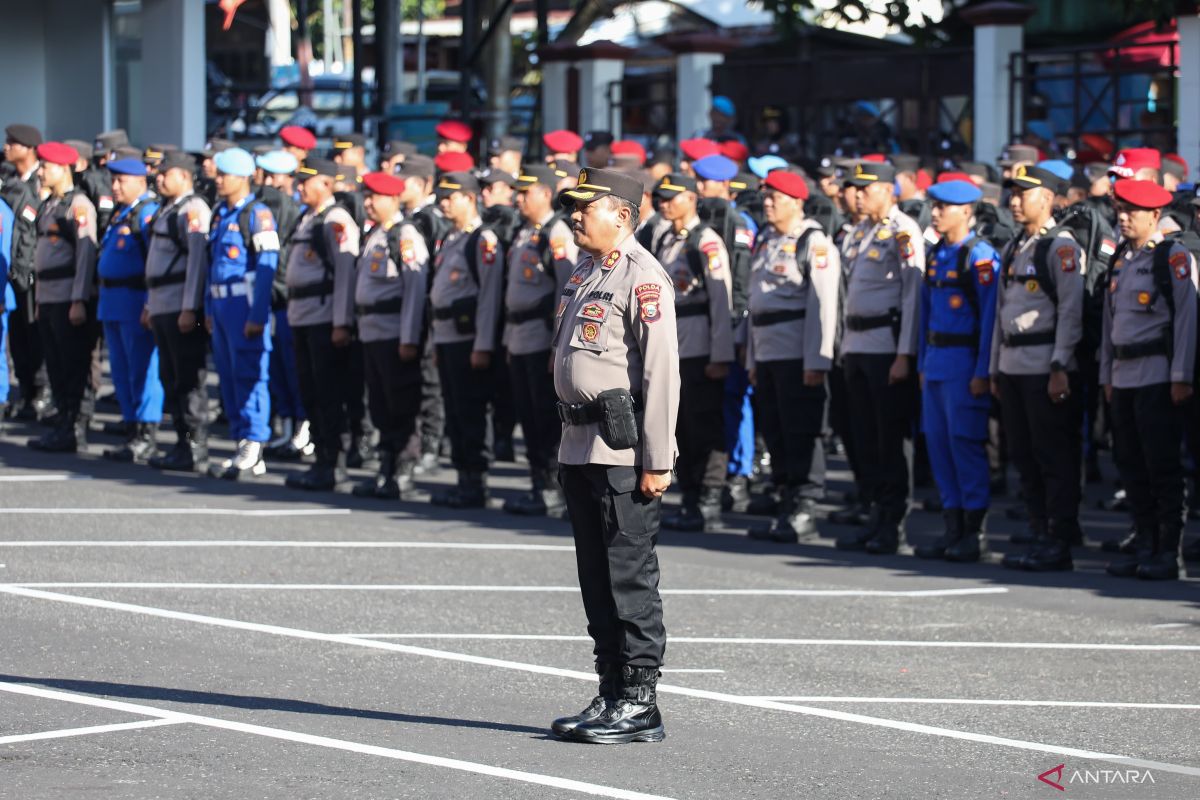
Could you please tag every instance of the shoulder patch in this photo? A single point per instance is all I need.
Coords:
(820, 256)
(984, 271)
(488, 242)
(648, 295)
(1179, 265)
(194, 224)
(1066, 255)
(263, 219)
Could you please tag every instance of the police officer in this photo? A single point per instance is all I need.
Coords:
(298, 141)
(958, 314)
(320, 283)
(465, 296)
(504, 154)
(132, 354)
(243, 257)
(395, 152)
(795, 280)
(1147, 360)
(616, 353)
(65, 265)
(8, 300)
(1039, 322)
(390, 308)
(454, 136)
(176, 278)
(542, 257)
(885, 258)
(20, 150)
(697, 262)
(95, 181)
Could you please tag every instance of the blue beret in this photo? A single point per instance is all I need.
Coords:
(715, 168)
(1060, 168)
(723, 105)
(278, 162)
(763, 164)
(127, 166)
(235, 161)
(959, 193)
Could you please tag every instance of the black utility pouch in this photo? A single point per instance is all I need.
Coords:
(618, 421)
(464, 315)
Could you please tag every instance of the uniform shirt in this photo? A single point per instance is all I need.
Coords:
(453, 282)
(380, 278)
(615, 329)
(884, 264)
(529, 285)
(55, 250)
(1024, 307)
(784, 279)
(121, 257)
(948, 309)
(165, 256)
(340, 236)
(1134, 313)
(7, 241)
(230, 259)
(708, 333)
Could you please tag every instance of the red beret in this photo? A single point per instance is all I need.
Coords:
(628, 147)
(696, 149)
(875, 158)
(296, 136)
(789, 183)
(923, 179)
(58, 153)
(1130, 160)
(563, 141)
(1178, 159)
(734, 150)
(383, 183)
(453, 130)
(1143, 194)
(946, 177)
(1102, 145)
(454, 162)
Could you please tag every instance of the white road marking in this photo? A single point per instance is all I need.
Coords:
(974, 702)
(197, 511)
(528, 637)
(288, 543)
(589, 677)
(44, 477)
(1174, 625)
(174, 717)
(430, 587)
(62, 734)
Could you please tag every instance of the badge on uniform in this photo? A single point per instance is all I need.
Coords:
(956, 301)
(590, 332)
(81, 217)
(873, 254)
(1143, 298)
(610, 260)
(120, 243)
(193, 220)
(559, 248)
(455, 275)
(576, 278)
(952, 274)
(712, 250)
(904, 242)
(821, 257)
(984, 271)
(29, 213)
(1067, 256)
(232, 251)
(489, 250)
(1179, 264)
(265, 221)
(527, 273)
(408, 253)
(789, 248)
(1031, 286)
(647, 296)
(1112, 285)
(780, 269)
(884, 234)
(858, 235)
(594, 311)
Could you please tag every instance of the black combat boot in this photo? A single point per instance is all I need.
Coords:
(973, 544)
(1166, 564)
(856, 513)
(1033, 539)
(140, 447)
(953, 520)
(701, 514)
(64, 438)
(190, 454)
(1141, 549)
(471, 491)
(610, 686)
(857, 540)
(633, 717)
(383, 485)
(1126, 546)
(1051, 552)
(891, 535)
(1191, 552)
(736, 496)
(545, 499)
(765, 504)
(360, 452)
(324, 475)
(687, 518)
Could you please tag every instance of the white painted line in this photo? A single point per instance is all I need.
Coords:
(589, 677)
(44, 477)
(335, 744)
(429, 587)
(1174, 625)
(197, 511)
(288, 543)
(62, 734)
(525, 637)
(973, 702)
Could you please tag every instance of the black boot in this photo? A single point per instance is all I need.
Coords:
(1191, 552)
(503, 450)
(190, 454)
(1166, 564)
(687, 517)
(857, 540)
(1126, 546)
(634, 717)
(1141, 549)
(120, 428)
(703, 513)
(856, 513)
(323, 476)
(765, 504)
(64, 438)
(1052, 552)
(360, 452)
(1032, 538)
(973, 544)
(736, 497)
(610, 686)
(140, 447)
(383, 485)
(953, 519)
(544, 499)
(891, 535)
(471, 492)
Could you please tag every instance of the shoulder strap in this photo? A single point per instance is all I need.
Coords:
(965, 275)
(692, 252)
(245, 217)
(473, 253)
(544, 249)
(645, 237)
(393, 243)
(316, 236)
(802, 251)
(1041, 263)
(1162, 277)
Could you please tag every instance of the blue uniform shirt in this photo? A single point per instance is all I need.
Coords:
(123, 257)
(232, 262)
(7, 221)
(947, 308)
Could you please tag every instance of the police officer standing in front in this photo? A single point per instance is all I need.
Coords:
(616, 372)
(1147, 360)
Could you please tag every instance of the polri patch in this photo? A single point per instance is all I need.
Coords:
(648, 295)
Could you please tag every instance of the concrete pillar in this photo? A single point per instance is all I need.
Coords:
(998, 34)
(279, 35)
(693, 95)
(173, 88)
(554, 95)
(1188, 92)
(595, 109)
(597, 66)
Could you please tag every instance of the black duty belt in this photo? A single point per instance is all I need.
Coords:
(56, 273)
(1028, 339)
(169, 279)
(938, 339)
(322, 289)
(588, 413)
(392, 306)
(542, 311)
(1124, 352)
(856, 323)
(132, 282)
(775, 317)
(456, 309)
(691, 310)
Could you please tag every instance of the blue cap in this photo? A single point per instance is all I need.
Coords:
(128, 166)
(959, 193)
(1059, 167)
(278, 162)
(235, 161)
(715, 168)
(723, 105)
(761, 165)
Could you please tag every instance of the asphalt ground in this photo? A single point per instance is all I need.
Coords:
(174, 636)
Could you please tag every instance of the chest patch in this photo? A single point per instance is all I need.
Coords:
(594, 311)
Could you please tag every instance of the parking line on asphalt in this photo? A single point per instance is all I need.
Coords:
(975, 702)
(175, 717)
(44, 477)
(195, 511)
(299, 544)
(589, 677)
(69, 732)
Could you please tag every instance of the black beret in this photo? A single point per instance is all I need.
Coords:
(24, 134)
(397, 147)
(416, 166)
(177, 159)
